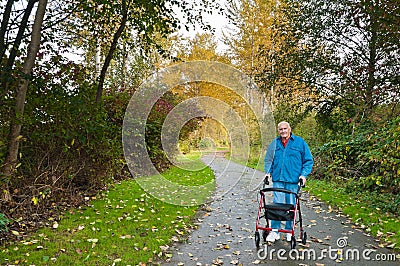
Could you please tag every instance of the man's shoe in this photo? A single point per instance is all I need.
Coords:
(272, 236)
(288, 237)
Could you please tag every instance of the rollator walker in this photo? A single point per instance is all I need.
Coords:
(279, 212)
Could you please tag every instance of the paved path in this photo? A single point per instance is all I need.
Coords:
(225, 233)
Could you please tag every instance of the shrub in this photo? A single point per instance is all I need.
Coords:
(367, 159)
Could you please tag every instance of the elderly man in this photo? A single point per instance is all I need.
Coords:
(288, 160)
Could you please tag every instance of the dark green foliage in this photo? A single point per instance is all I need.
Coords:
(368, 159)
(154, 127)
(3, 223)
(70, 146)
(69, 143)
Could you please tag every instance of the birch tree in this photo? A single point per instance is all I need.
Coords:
(14, 137)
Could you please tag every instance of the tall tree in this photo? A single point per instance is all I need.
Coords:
(261, 47)
(353, 54)
(15, 128)
(10, 60)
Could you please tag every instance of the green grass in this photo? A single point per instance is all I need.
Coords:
(124, 225)
(359, 206)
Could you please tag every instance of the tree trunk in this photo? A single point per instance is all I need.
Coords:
(5, 76)
(110, 54)
(15, 127)
(3, 28)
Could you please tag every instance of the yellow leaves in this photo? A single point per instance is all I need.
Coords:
(221, 246)
(35, 200)
(179, 232)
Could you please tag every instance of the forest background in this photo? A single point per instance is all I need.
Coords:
(330, 68)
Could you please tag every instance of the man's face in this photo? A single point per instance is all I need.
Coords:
(284, 131)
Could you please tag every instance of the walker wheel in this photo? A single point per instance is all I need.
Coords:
(304, 238)
(293, 243)
(264, 235)
(257, 239)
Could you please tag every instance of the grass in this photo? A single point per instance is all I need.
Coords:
(359, 206)
(122, 226)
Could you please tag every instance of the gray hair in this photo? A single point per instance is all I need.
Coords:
(284, 122)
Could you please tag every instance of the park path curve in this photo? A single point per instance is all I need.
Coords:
(226, 226)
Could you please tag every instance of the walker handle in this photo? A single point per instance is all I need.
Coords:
(266, 181)
(301, 183)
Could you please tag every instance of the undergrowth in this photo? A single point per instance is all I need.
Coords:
(123, 225)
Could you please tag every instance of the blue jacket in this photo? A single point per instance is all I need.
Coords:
(288, 164)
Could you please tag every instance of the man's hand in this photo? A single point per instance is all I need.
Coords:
(303, 180)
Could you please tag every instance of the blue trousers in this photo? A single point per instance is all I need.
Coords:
(280, 197)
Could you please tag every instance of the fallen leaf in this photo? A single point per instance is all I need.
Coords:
(391, 245)
(218, 261)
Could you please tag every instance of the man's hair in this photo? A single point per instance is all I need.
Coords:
(284, 122)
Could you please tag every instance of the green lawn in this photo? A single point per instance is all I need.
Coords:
(362, 208)
(124, 225)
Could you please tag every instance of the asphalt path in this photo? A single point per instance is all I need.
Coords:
(226, 227)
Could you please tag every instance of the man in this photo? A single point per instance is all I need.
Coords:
(288, 160)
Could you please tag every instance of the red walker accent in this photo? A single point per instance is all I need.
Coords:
(280, 212)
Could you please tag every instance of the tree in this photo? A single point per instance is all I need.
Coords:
(15, 128)
(352, 57)
(94, 19)
(10, 61)
(138, 24)
(263, 46)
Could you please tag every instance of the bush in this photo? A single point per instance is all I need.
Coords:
(367, 159)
